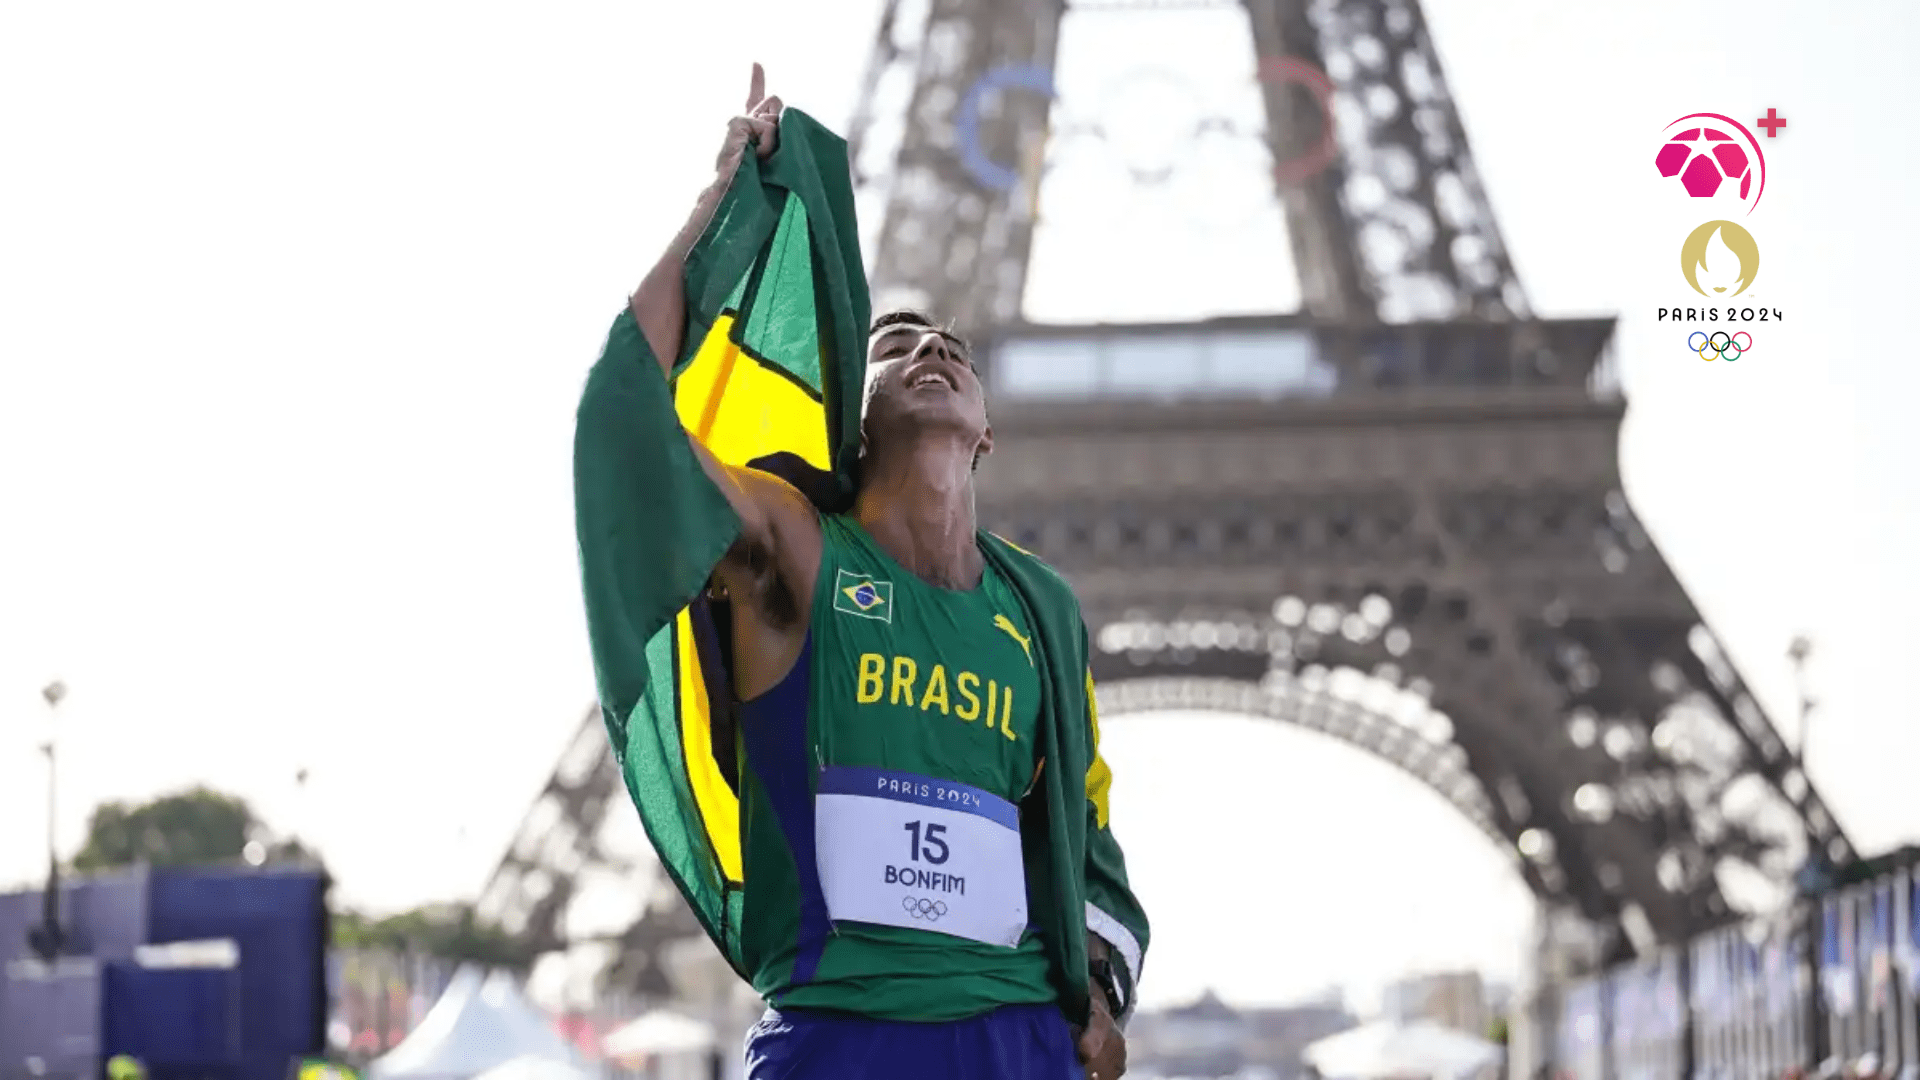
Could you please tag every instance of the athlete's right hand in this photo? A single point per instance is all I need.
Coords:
(1101, 1045)
(760, 122)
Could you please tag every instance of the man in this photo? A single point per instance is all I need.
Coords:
(909, 713)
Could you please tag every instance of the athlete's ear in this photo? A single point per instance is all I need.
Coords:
(986, 444)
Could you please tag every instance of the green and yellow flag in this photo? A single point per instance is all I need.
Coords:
(771, 377)
(777, 316)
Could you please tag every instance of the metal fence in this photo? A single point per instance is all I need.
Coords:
(377, 997)
(1834, 986)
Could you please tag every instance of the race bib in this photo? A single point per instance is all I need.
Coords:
(900, 849)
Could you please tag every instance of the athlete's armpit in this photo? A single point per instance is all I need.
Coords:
(767, 577)
(773, 565)
(747, 574)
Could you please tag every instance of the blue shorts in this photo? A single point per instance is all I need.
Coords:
(1013, 1042)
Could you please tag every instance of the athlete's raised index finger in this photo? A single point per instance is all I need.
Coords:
(757, 89)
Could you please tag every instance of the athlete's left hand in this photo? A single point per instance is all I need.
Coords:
(1102, 1046)
(758, 126)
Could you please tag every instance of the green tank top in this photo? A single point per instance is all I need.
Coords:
(899, 678)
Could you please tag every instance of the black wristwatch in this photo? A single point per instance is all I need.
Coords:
(1109, 982)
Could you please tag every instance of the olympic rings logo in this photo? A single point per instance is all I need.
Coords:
(930, 910)
(1272, 71)
(1289, 69)
(990, 173)
(1722, 345)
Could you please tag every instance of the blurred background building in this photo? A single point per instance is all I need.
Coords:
(1457, 999)
(1209, 1038)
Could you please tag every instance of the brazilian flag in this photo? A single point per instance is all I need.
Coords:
(777, 315)
(771, 377)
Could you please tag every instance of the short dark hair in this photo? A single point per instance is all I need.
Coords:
(910, 317)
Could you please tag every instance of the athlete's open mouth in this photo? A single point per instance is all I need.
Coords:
(928, 374)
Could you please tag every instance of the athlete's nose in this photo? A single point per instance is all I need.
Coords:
(933, 344)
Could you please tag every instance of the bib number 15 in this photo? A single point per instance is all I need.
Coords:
(927, 843)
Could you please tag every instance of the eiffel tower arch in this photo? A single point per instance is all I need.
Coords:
(1393, 517)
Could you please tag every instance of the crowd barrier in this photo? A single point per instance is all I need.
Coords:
(378, 997)
(1833, 986)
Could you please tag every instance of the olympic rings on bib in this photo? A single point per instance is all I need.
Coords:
(930, 910)
(1722, 345)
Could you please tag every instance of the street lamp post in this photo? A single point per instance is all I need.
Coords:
(300, 818)
(47, 939)
(53, 692)
(1797, 653)
(1816, 874)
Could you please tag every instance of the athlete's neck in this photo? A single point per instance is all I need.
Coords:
(917, 503)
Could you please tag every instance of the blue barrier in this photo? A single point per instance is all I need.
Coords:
(1837, 982)
(245, 1021)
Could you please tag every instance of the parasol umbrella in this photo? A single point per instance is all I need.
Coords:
(659, 1032)
(1387, 1050)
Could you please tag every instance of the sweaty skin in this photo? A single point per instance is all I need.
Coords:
(925, 423)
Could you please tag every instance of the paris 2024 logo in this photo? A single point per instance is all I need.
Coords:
(1719, 259)
(1715, 158)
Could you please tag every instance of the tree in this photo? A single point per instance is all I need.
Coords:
(447, 931)
(187, 828)
(291, 852)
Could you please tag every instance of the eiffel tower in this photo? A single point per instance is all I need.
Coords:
(1393, 517)
(1407, 530)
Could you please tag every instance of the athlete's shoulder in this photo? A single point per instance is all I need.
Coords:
(844, 526)
(792, 517)
(820, 488)
(1033, 569)
(775, 485)
(1015, 551)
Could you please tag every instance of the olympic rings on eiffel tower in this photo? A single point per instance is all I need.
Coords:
(1272, 70)
(966, 120)
(1289, 69)
(1723, 345)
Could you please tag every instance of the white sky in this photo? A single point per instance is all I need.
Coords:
(298, 299)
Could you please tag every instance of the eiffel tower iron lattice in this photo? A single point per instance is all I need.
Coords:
(558, 843)
(1401, 527)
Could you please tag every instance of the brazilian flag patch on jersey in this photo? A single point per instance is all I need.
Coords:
(858, 594)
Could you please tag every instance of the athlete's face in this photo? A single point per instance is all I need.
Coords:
(921, 379)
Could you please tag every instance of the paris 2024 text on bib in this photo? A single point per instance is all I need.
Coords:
(900, 849)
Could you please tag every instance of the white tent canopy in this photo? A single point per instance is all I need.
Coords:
(1389, 1050)
(534, 1067)
(659, 1032)
(480, 1022)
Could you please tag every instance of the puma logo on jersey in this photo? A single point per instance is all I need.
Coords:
(1026, 644)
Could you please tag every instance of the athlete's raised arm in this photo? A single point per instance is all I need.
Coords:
(770, 571)
(660, 304)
